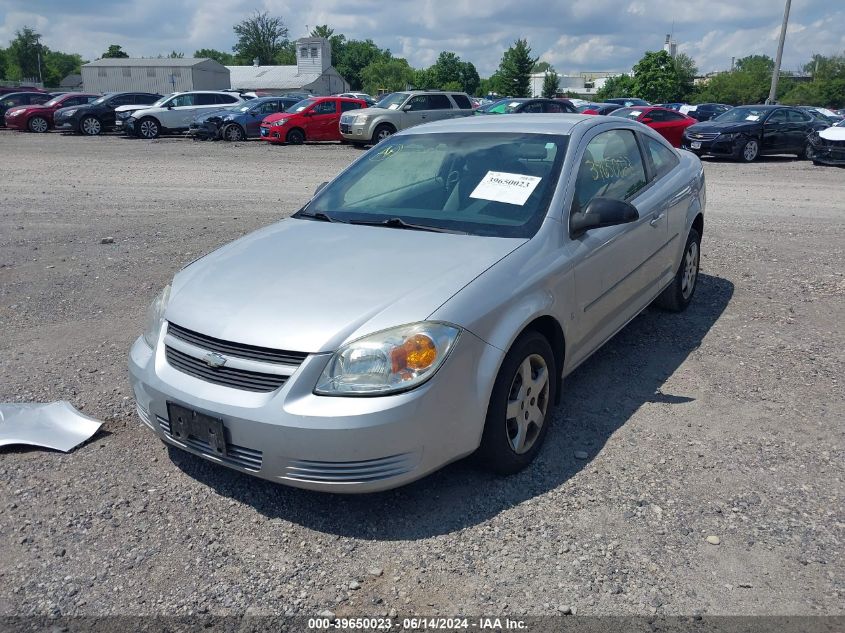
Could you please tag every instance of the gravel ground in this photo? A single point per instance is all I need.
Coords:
(723, 424)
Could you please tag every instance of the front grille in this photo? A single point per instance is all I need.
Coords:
(703, 136)
(240, 350)
(349, 472)
(248, 458)
(225, 376)
(345, 129)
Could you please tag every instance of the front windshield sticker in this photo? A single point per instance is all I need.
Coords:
(513, 104)
(752, 117)
(393, 106)
(387, 152)
(499, 186)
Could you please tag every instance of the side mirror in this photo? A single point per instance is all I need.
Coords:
(602, 212)
(169, 106)
(406, 108)
(647, 120)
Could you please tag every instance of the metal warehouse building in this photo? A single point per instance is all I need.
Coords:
(154, 75)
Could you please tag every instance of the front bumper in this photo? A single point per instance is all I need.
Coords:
(65, 123)
(15, 123)
(204, 130)
(355, 133)
(829, 153)
(719, 146)
(274, 134)
(334, 444)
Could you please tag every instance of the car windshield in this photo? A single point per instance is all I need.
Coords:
(493, 184)
(102, 99)
(736, 115)
(628, 113)
(392, 101)
(505, 107)
(299, 106)
(489, 105)
(55, 101)
(161, 102)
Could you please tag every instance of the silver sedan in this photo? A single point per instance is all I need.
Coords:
(426, 304)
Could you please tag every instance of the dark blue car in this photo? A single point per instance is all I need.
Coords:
(238, 122)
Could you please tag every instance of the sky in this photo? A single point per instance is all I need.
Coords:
(573, 36)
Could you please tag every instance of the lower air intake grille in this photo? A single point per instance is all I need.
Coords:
(226, 376)
(247, 458)
(349, 472)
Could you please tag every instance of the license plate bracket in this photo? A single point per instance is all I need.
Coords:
(186, 423)
(695, 145)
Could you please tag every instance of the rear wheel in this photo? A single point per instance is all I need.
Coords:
(295, 137)
(38, 124)
(90, 126)
(148, 128)
(233, 132)
(520, 406)
(678, 294)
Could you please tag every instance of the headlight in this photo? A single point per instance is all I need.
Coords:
(278, 123)
(731, 137)
(389, 361)
(69, 112)
(15, 113)
(155, 317)
(361, 119)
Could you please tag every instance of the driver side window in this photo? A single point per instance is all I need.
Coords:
(611, 167)
(778, 116)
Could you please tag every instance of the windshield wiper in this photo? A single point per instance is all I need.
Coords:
(319, 216)
(399, 223)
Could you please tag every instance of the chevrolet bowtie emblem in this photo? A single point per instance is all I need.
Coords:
(213, 359)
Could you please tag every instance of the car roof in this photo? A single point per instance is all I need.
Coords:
(557, 124)
(25, 92)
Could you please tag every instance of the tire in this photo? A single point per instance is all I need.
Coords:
(295, 137)
(678, 295)
(509, 444)
(148, 128)
(804, 154)
(90, 126)
(38, 124)
(749, 151)
(382, 132)
(233, 132)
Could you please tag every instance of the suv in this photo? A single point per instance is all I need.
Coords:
(91, 119)
(175, 112)
(401, 110)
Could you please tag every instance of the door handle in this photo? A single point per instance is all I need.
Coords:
(656, 219)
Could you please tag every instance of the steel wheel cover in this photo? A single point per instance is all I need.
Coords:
(528, 401)
(690, 270)
(91, 126)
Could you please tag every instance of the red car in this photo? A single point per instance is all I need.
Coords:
(312, 119)
(39, 118)
(668, 123)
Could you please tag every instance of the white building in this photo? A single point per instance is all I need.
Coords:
(313, 72)
(154, 75)
(670, 46)
(584, 84)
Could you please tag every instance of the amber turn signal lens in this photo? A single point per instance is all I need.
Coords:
(417, 353)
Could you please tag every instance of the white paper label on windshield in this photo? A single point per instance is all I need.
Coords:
(498, 186)
(752, 117)
(513, 104)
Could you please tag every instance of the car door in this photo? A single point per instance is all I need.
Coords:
(776, 132)
(257, 114)
(440, 107)
(618, 268)
(323, 120)
(801, 124)
(415, 111)
(107, 116)
(669, 125)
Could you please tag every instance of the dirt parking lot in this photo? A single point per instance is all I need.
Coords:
(725, 421)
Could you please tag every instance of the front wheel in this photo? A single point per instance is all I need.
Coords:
(38, 124)
(382, 132)
(90, 126)
(233, 132)
(749, 151)
(295, 137)
(520, 406)
(148, 128)
(678, 294)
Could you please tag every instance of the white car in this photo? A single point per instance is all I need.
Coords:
(175, 112)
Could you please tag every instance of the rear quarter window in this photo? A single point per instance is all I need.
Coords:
(463, 102)
(439, 102)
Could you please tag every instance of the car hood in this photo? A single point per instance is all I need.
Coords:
(278, 116)
(308, 286)
(222, 112)
(833, 133)
(722, 127)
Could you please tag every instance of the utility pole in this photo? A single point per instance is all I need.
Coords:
(776, 72)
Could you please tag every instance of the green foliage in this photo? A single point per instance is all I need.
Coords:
(114, 51)
(354, 56)
(449, 72)
(260, 36)
(514, 73)
(286, 55)
(387, 74)
(423, 79)
(655, 78)
(542, 67)
(227, 59)
(175, 55)
(551, 84)
(828, 86)
(23, 54)
(3, 63)
(749, 83)
(686, 71)
(56, 66)
(615, 87)
(323, 30)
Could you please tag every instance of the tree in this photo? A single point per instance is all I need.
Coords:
(551, 84)
(748, 83)
(446, 69)
(259, 36)
(686, 70)
(387, 74)
(515, 70)
(541, 67)
(355, 56)
(56, 66)
(287, 55)
(114, 51)
(655, 78)
(614, 87)
(470, 81)
(449, 72)
(175, 55)
(23, 54)
(828, 86)
(322, 31)
(227, 59)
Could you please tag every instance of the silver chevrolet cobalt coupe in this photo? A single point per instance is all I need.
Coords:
(426, 304)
